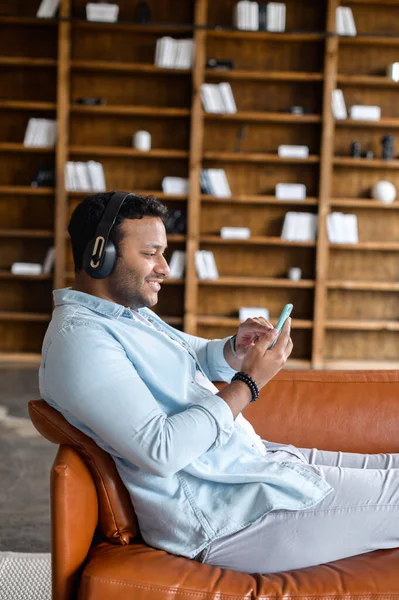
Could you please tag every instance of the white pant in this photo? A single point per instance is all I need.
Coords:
(360, 515)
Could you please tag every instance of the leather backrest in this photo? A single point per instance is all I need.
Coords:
(74, 518)
(116, 515)
(351, 411)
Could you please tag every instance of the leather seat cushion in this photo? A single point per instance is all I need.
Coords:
(140, 572)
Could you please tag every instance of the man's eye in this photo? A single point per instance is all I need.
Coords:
(147, 254)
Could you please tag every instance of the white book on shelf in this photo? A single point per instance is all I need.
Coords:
(251, 312)
(349, 21)
(254, 16)
(210, 264)
(226, 93)
(29, 133)
(282, 16)
(37, 133)
(101, 185)
(205, 98)
(166, 52)
(48, 261)
(47, 9)
(69, 182)
(158, 51)
(247, 15)
(239, 14)
(223, 184)
(216, 98)
(184, 56)
(339, 21)
(351, 229)
(200, 265)
(177, 264)
(83, 176)
(338, 104)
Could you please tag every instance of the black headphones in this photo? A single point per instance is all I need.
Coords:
(100, 254)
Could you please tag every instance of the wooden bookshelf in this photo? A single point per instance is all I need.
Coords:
(345, 306)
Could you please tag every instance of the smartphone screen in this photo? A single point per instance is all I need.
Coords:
(285, 313)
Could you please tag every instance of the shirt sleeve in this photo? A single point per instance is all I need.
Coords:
(88, 377)
(211, 357)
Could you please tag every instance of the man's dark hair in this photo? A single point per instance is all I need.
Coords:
(87, 215)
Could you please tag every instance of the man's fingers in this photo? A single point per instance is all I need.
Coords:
(284, 335)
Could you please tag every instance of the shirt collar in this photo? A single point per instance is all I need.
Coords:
(105, 307)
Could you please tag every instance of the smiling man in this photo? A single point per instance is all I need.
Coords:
(202, 483)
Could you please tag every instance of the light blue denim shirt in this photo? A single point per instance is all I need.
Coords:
(191, 470)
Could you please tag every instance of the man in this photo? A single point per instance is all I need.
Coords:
(202, 483)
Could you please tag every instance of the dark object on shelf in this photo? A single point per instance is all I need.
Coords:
(90, 101)
(214, 63)
(45, 176)
(143, 12)
(176, 222)
(387, 147)
(241, 134)
(296, 110)
(355, 150)
(369, 154)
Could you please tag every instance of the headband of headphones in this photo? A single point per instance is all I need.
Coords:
(104, 228)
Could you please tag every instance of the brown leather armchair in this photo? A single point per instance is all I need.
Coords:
(97, 552)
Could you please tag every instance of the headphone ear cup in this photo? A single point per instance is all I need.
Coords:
(110, 256)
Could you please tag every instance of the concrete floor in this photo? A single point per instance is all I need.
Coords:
(26, 459)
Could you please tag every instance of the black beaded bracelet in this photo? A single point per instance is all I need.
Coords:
(251, 383)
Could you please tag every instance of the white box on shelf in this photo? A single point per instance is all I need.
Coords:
(250, 312)
(20, 268)
(287, 151)
(102, 11)
(290, 191)
(365, 113)
(49, 259)
(47, 9)
(235, 233)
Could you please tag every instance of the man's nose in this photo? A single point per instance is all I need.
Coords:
(163, 266)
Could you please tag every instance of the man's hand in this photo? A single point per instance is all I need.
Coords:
(249, 333)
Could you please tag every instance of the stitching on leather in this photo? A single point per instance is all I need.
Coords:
(93, 463)
(276, 596)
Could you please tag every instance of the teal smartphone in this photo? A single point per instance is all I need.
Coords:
(280, 323)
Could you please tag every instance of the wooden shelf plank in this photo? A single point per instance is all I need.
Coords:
(16, 20)
(350, 363)
(375, 2)
(125, 67)
(20, 358)
(20, 61)
(4, 274)
(231, 322)
(24, 316)
(257, 199)
(130, 152)
(258, 157)
(263, 117)
(363, 203)
(160, 195)
(125, 110)
(375, 286)
(22, 190)
(215, 321)
(257, 282)
(266, 35)
(12, 147)
(370, 39)
(172, 320)
(26, 233)
(27, 105)
(365, 163)
(150, 28)
(378, 246)
(381, 124)
(367, 80)
(255, 240)
(248, 75)
(361, 325)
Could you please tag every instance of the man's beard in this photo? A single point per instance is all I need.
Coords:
(127, 287)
